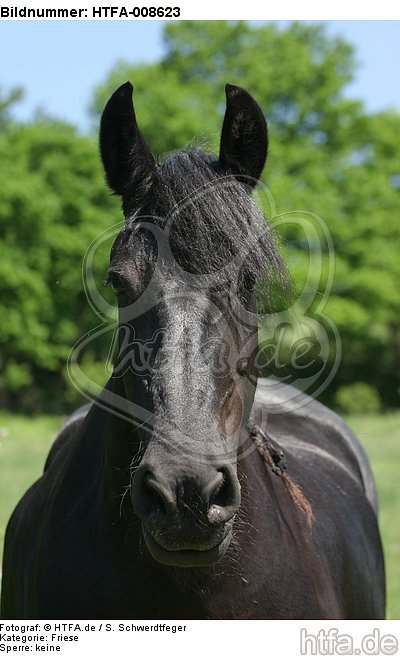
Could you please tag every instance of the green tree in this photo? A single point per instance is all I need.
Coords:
(327, 156)
(7, 100)
(53, 202)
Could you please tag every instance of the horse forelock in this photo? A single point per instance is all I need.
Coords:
(212, 223)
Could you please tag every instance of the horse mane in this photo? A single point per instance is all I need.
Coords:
(213, 224)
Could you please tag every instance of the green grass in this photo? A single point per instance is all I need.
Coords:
(25, 442)
(380, 436)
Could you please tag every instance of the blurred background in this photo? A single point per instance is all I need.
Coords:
(331, 95)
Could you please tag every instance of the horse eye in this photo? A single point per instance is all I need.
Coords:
(116, 283)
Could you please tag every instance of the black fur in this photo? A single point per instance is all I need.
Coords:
(154, 502)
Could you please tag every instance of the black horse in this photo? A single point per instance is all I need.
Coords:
(169, 496)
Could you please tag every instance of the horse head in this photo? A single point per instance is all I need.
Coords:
(185, 268)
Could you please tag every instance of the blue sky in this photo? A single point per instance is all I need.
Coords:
(59, 62)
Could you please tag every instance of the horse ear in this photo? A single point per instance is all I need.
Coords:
(244, 138)
(127, 160)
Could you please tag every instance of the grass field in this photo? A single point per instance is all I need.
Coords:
(24, 444)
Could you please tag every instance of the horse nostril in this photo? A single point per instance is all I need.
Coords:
(158, 500)
(219, 489)
(153, 496)
(152, 499)
(224, 498)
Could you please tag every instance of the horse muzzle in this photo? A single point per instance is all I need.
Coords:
(187, 519)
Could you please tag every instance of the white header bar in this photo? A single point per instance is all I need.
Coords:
(133, 10)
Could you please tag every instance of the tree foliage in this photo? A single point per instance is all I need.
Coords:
(7, 100)
(328, 157)
(53, 202)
